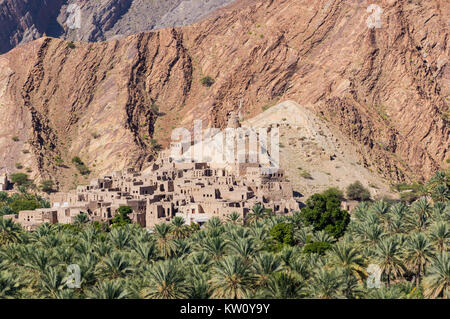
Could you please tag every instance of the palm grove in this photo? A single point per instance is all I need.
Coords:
(319, 252)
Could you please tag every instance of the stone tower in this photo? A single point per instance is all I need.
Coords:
(233, 121)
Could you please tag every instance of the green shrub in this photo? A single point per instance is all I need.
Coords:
(20, 179)
(357, 191)
(306, 175)
(59, 161)
(47, 186)
(80, 166)
(409, 196)
(323, 212)
(121, 218)
(334, 191)
(207, 81)
(6, 210)
(24, 204)
(71, 45)
(317, 247)
(4, 197)
(15, 138)
(77, 160)
(283, 234)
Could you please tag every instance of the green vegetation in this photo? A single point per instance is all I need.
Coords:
(21, 179)
(437, 188)
(12, 204)
(315, 253)
(357, 191)
(81, 167)
(323, 212)
(15, 138)
(207, 81)
(71, 45)
(59, 161)
(121, 218)
(47, 186)
(155, 145)
(282, 235)
(304, 173)
(317, 247)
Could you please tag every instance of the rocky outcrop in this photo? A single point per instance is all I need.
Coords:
(25, 20)
(81, 20)
(113, 103)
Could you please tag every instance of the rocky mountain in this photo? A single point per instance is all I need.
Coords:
(113, 103)
(82, 20)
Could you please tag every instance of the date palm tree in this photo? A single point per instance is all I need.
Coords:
(234, 218)
(166, 281)
(120, 237)
(198, 284)
(164, 241)
(201, 259)
(283, 285)
(10, 285)
(214, 223)
(388, 256)
(9, 231)
(51, 282)
(347, 257)
(146, 251)
(381, 208)
(42, 231)
(81, 219)
(439, 178)
(180, 229)
(422, 209)
(326, 284)
(215, 246)
(243, 247)
(102, 249)
(37, 260)
(439, 234)
(10, 254)
(108, 290)
(374, 233)
(438, 213)
(418, 251)
(257, 213)
(114, 266)
(265, 265)
(437, 280)
(231, 278)
(441, 193)
(302, 235)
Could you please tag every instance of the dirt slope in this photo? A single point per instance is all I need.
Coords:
(314, 154)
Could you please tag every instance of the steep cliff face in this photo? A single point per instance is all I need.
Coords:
(112, 103)
(25, 20)
(22, 21)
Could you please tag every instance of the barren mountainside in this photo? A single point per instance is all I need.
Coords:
(25, 20)
(111, 103)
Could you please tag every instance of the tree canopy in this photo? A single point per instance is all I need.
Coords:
(323, 212)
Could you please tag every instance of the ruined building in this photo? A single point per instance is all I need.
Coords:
(196, 191)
